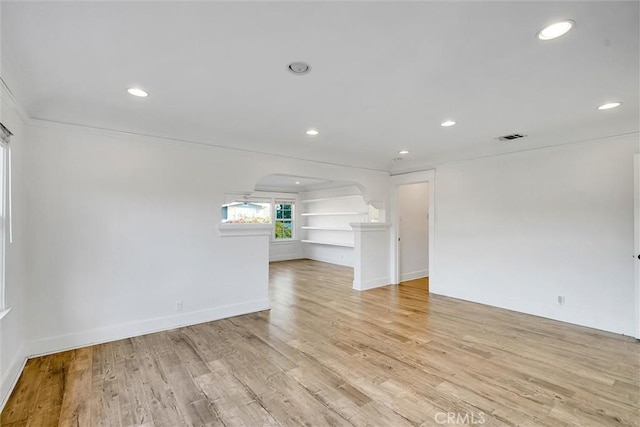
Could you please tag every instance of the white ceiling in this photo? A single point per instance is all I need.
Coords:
(288, 183)
(297, 184)
(384, 74)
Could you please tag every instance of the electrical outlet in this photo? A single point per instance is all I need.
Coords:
(560, 299)
(178, 305)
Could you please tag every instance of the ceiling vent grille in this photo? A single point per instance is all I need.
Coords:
(511, 137)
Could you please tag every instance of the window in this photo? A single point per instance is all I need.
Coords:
(262, 210)
(284, 224)
(248, 212)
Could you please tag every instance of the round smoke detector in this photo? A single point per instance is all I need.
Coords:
(299, 68)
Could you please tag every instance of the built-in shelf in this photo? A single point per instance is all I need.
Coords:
(327, 228)
(318, 242)
(332, 213)
(331, 198)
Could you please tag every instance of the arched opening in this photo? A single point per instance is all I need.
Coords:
(313, 218)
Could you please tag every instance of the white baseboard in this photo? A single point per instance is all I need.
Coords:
(370, 284)
(10, 378)
(128, 330)
(414, 275)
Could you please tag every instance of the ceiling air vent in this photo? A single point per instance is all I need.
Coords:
(511, 137)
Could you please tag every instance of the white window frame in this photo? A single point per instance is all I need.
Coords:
(275, 219)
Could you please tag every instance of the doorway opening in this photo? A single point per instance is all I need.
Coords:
(413, 234)
(412, 213)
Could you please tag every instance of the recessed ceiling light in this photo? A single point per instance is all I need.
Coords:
(448, 123)
(137, 92)
(609, 105)
(299, 68)
(312, 132)
(555, 30)
(403, 152)
(297, 182)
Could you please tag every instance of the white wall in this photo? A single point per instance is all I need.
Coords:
(332, 254)
(286, 250)
(413, 205)
(13, 325)
(122, 227)
(517, 231)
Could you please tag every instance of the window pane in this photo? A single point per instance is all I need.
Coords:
(284, 220)
(247, 212)
(284, 230)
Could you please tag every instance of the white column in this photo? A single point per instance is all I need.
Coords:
(371, 255)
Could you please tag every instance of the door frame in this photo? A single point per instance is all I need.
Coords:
(636, 237)
(396, 182)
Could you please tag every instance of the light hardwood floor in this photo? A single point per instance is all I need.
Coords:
(327, 355)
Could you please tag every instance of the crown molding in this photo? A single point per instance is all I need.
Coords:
(9, 100)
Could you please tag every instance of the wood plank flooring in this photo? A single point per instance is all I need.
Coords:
(326, 355)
